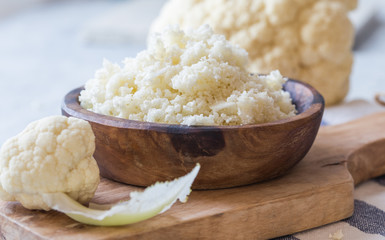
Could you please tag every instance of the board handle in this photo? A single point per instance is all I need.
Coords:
(359, 144)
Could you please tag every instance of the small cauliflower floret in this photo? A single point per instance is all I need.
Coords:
(50, 166)
(52, 155)
(295, 36)
(192, 77)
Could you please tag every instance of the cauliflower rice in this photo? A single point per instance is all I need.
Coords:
(192, 77)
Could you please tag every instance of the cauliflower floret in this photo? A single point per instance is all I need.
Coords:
(52, 155)
(294, 36)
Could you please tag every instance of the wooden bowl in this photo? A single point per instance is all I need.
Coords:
(141, 153)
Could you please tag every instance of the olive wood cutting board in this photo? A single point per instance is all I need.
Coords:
(317, 191)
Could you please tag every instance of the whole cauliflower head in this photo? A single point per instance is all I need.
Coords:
(307, 40)
(51, 155)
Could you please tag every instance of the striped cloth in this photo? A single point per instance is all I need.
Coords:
(368, 220)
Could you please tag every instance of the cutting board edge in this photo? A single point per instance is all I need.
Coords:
(10, 229)
(225, 222)
(226, 219)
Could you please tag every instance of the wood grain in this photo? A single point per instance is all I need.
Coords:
(317, 191)
(140, 153)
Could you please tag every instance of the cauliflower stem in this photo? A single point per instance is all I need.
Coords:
(142, 205)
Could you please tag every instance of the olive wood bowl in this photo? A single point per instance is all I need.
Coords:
(142, 153)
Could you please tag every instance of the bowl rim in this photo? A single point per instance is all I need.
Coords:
(71, 107)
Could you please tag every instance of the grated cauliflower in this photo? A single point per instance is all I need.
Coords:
(52, 155)
(306, 40)
(192, 77)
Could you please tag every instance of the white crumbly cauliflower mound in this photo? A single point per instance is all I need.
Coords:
(194, 77)
(51, 155)
(307, 40)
